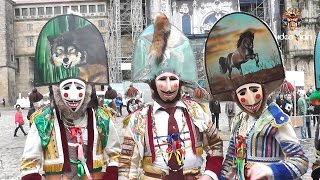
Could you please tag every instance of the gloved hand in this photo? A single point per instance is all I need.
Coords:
(260, 171)
(33, 176)
(111, 173)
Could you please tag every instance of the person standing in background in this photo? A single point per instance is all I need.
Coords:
(3, 102)
(109, 98)
(19, 121)
(215, 110)
(120, 98)
(302, 109)
(316, 112)
(36, 102)
(230, 110)
(118, 105)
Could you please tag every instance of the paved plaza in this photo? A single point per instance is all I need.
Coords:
(11, 148)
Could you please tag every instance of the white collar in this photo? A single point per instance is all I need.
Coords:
(157, 106)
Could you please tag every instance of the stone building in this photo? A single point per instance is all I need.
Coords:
(7, 65)
(24, 20)
(298, 44)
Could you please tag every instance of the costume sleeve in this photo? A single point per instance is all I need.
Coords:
(213, 148)
(295, 163)
(316, 167)
(131, 149)
(31, 164)
(113, 146)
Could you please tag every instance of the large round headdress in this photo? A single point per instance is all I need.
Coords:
(241, 49)
(163, 47)
(70, 46)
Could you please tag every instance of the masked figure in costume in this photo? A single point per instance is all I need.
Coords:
(315, 101)
(72, 138)
(263, 144)
(167, 138)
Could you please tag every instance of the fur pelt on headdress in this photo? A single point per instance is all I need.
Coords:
(160, 38)
(65, 111)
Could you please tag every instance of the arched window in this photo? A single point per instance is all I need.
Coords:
(186, 24)
(208, 22)
(211, 19)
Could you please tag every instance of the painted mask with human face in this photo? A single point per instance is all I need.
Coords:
(250, 97)
(73, 93)
(167, 85)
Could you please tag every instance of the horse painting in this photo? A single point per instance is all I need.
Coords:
(243, 53)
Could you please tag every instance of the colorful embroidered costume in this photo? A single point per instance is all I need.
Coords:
(167, 138)
(47, 151)
(271, 141)
(145, 141)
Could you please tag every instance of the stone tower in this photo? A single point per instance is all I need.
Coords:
(7, 65)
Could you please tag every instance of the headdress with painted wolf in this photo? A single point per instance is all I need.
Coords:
(241, 49)
(70, 46)
(162, 47)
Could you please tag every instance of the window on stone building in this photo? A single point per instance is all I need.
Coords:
(65, 9)
(29, 27)
(75, 8)
(209, 22)
(83, 9)
(33, 11)
(17, 12)
(31, 66)
(101, 8)
(92, 8)
(17, 65)
(101, 23)
(186, 24)
(49, 10)
(24, 11)
(40, 11)
(30, 41)
(57, 10)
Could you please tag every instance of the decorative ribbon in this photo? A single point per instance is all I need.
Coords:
(81, 162)
(174, 147)
(73, 134)
(240, 156)
(80, 168)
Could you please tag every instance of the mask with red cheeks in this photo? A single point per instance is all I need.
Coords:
(167, 85)
(250, 97)
(72, 93)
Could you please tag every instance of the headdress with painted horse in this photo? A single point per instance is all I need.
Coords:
(241, 49)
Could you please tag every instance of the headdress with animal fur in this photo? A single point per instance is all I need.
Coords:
(162, 47)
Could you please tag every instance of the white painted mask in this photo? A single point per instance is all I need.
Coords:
(167, 86)
(250, 97)
(73, 93)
